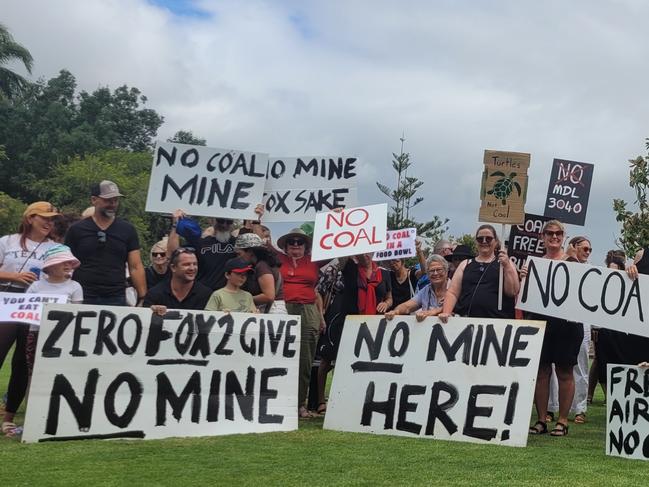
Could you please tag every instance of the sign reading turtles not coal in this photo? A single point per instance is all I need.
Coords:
(504, 187)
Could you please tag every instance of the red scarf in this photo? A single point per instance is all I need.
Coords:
(367, 290)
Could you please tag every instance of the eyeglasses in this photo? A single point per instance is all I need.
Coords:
(101, 237)
(438, 270)
(550, 233)
(295, 241)
(484, 239)
(159, 254)
(224, 221)
(586, 249)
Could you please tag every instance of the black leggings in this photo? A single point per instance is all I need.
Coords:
(11, 333)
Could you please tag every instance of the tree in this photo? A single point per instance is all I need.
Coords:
(402, 197)
(11, 83)
(11, 212)
(48, 125)
(634, 234)
(186, 137)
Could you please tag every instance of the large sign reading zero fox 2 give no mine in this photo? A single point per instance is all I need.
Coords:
(471, 379)
(206, 181)
(119, 372)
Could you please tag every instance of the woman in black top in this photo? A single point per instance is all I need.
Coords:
(474, 288)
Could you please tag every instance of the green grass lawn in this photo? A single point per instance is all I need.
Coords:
(315, 457)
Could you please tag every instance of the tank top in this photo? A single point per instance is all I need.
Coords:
(479, 295)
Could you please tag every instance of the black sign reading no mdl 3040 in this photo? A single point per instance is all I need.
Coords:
(568, 191)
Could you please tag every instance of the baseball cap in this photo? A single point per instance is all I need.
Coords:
(106, 189)
(238, 266)
(41, 208)
(188, 229)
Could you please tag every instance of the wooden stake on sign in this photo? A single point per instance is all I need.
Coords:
(501, 276)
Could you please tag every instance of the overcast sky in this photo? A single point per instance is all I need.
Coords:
(557, 79)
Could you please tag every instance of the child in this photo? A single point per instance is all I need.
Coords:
(232, 297)
(58, 266)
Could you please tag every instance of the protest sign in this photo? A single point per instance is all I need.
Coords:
(26, 308)
(526, 240)
(568, 191)
(627, 412)
(299, 187)
(470, 380)
(119, 372)
(586, 294)
(504, 187)
(206, 181)
(400, 244)
(349, 232)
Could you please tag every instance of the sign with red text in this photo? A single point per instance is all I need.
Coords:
(351, 231)
(469, 380)
(400, 244)
(297, 188)
(105, 372)
(586, 294)
(568, 191)
(206, 181)
(26, 308)
(627, 412)
(504, 187)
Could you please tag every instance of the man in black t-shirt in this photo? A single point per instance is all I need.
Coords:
(182, 290)
(104, 245)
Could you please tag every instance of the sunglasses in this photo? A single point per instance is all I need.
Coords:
(101, 237)
(550, 233)
(295, 241)
(484, 239)
(158, 254)
(586, 249)
(183, 250)
(224, 221)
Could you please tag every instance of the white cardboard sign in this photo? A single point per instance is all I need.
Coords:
(299, 187)
(627, 412)
(349, 232)
(586, 294)
(400, 244)
(119, 372)
(26, 308)
(206, 181)
(468, 380)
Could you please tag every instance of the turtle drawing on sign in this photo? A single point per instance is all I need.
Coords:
(504, 186)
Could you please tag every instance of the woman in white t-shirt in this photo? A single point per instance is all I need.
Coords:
(21, 260)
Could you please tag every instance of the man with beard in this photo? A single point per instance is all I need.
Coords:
(182, 290)
(213, 251)
(104, 244)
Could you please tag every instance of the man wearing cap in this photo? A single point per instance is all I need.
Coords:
(105, 244)
(182, 290)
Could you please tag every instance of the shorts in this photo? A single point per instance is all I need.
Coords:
(561, 342)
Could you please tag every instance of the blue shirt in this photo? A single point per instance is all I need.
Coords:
(426, 298)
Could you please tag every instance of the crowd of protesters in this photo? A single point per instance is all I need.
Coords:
(240, 270)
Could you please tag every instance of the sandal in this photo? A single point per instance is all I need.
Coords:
(10, 429)
(539, 428)
(580, 418)
(304, 413)
(322, 408)
(560, 429)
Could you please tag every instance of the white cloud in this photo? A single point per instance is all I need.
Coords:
(556, 79)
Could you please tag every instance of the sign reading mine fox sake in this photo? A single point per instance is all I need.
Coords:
(568, 191)
(119, 372)
(468, 380)
(504, 187)
(299, 187)
(206, 181)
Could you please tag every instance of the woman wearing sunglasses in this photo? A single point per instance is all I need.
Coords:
(561, 344)
(300, 276)
(158, 271)
(475, 284)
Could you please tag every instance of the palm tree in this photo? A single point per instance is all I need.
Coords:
(12, 84)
